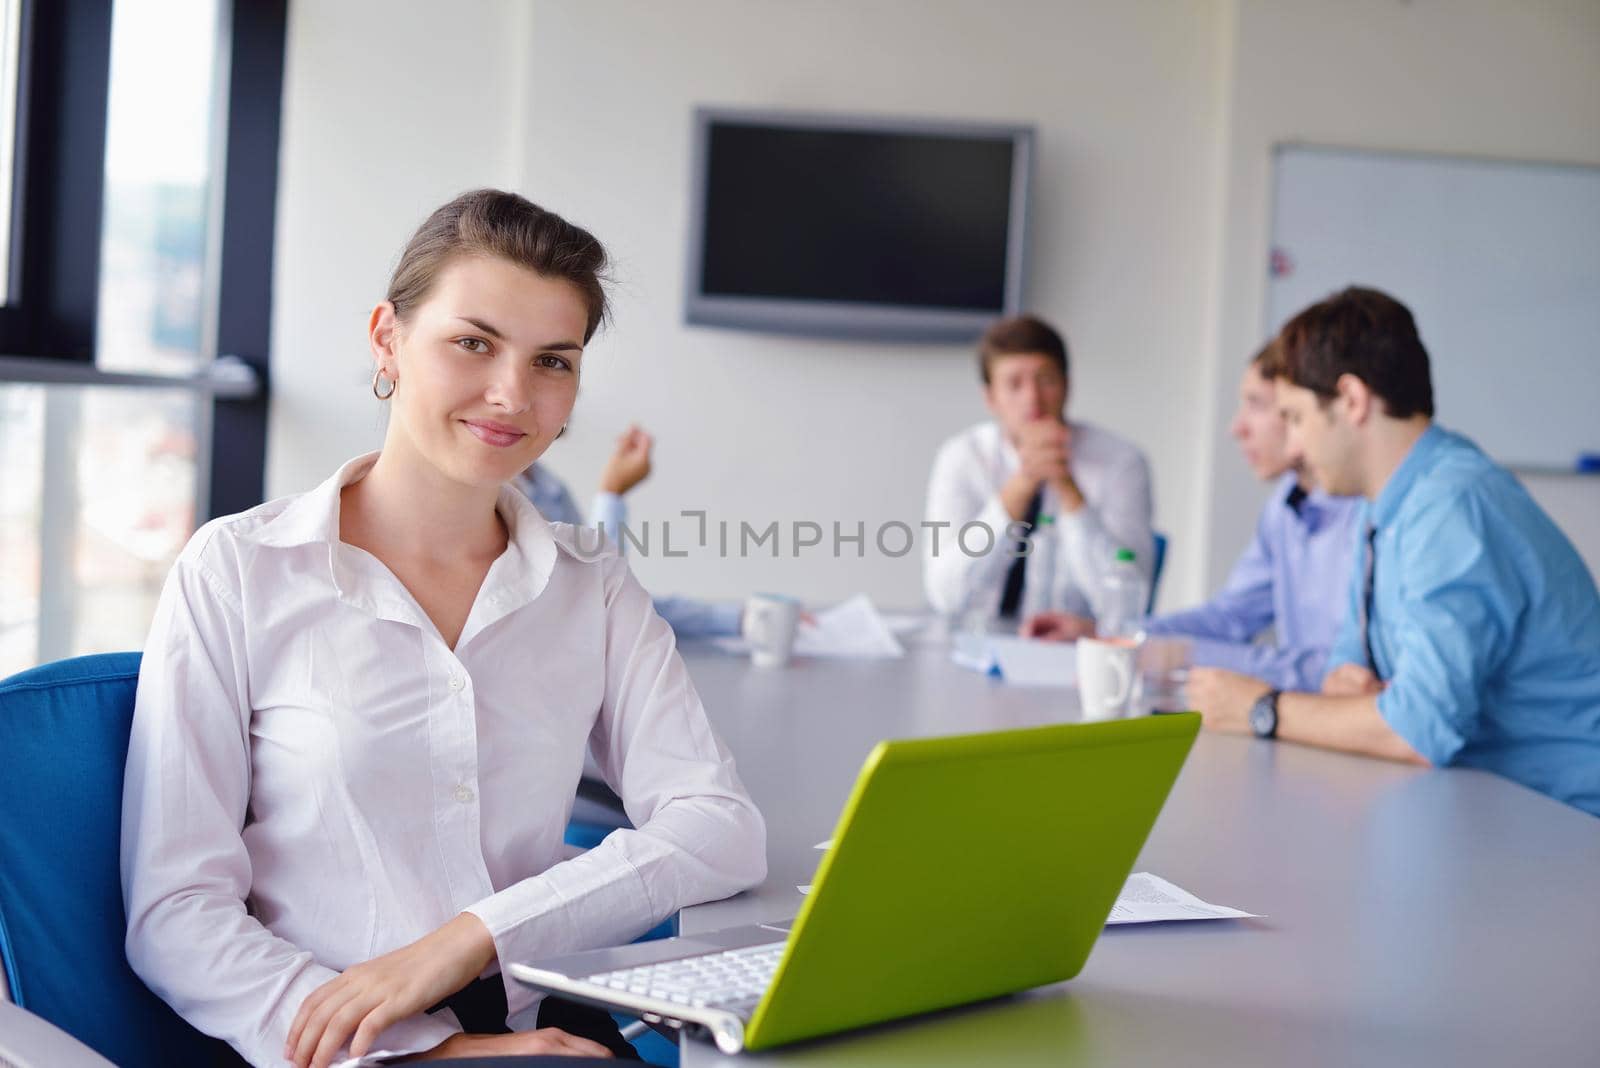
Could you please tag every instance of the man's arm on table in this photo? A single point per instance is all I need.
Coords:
(1350, 723)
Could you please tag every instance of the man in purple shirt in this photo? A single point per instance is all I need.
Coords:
(1291, 578)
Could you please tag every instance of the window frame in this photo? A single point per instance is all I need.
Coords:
(47, 325)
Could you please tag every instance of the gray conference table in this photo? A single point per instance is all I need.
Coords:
(1410, 916)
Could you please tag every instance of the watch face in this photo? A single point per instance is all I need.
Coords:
(1264, 716)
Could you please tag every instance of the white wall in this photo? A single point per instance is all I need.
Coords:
(1155, 125)
(389, 110)
(1472, 77)
(759, 428)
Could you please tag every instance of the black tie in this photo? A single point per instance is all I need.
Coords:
(1369, 571)
(1012, 598)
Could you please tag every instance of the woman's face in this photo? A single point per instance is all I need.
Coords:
(485, 368)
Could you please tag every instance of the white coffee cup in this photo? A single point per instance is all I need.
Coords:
(770, 623)
(1107, 672)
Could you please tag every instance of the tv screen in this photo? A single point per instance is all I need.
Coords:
(856, 227)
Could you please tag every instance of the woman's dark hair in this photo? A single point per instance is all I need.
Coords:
(491, 222)
(1361, 332)
(1017, 335)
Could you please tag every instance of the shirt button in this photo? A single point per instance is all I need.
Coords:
(456, 682)
(464, 793)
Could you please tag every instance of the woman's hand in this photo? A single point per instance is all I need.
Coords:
(548, 1040)
(365, 999)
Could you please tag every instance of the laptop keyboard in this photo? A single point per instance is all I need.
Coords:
(734, 979)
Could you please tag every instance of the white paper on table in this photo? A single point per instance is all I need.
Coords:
(852, 629)
(974, 655)
(1147, 898)
(1035, 662)
(904, 622)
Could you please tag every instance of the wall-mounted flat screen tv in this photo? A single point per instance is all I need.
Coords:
(856, 227)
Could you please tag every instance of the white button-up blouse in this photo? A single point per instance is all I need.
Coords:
(315, 778)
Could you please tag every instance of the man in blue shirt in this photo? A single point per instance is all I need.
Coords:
(1290, 579)
(1474, 630)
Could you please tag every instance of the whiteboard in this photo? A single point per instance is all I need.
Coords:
(1498, 261)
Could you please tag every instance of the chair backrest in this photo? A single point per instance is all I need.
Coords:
(63, 744)
(1156, 563)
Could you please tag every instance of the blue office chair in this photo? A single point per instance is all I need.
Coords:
(63, 746)
(63, 743)
(1157, 561)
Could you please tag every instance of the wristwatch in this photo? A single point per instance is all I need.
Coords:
(1264, 715)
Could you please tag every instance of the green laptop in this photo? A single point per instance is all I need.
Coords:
(962, 868)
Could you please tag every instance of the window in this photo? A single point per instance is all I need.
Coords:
(119, 421)
(10, 34)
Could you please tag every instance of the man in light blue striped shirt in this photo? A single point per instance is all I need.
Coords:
(1473, 636)
(1288, 582)
(1291, 578)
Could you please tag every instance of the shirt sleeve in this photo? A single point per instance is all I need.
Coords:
(1459, 600)
(692, 618)
(186, 873)
(1243, 607)
(954, 578)
(1297, 668)
(699, 836)
(608, 513)
(1091, 536)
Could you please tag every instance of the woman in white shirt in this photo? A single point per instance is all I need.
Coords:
(363, 711)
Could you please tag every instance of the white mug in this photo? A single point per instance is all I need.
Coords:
(1107, 671)
(770, 623)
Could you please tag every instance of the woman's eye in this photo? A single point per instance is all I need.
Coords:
(553, 362)
(473, 344)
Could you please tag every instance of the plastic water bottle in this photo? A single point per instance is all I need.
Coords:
(1124, 592)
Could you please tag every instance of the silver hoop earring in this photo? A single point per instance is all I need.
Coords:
(381, 377)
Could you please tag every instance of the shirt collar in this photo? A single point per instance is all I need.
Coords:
(1310, 508)
(314, 516)
(1416, 462)
(518, 576)
(1297, 497)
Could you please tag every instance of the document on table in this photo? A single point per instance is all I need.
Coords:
(905, 623)
(1031, 662)
(852, 629)
(1020, 661)
(1147, 898)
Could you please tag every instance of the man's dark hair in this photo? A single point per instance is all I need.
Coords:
(1365, 333)
(1268, 361)
(1017, 335)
